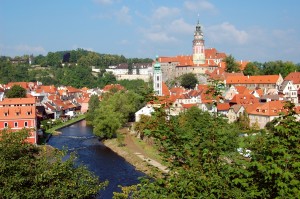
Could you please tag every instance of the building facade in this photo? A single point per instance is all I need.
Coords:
(19, 113)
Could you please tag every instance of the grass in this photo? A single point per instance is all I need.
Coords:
(64, 124)
(53, 130)
(151, 151)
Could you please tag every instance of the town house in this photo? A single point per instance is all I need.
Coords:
(19, 113)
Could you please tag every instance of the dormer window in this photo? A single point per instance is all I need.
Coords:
(28, 113)
(6, 114)
(17, 113)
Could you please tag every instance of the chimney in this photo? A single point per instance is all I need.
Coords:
(217, 71)
(248, 76)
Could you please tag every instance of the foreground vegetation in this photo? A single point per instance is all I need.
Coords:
(28, 171)
(202, 154)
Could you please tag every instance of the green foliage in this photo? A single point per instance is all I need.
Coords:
(16, 91)
(28, 171)
(279, 67)
(275, 158)
(188, 80)
(197, 147)
(140, 87)
(231, 64)
(114, 111)
(93, 105)
(251, 69)
(204, 163)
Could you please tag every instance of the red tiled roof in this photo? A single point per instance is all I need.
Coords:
(17, 112)
(113, 86)
(262, 79)
(22, 84)
(177, 90)
(244, 99)
(73, 90)
(17, 101)
(187, 106)
(165, 89)
(223, 106)
(242, 89)
(46, 89)
(294, 76)
(272, 108)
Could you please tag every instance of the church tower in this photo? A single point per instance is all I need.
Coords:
(198, 46)
(157, 78)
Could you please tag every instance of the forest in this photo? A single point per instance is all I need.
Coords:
(71, 68)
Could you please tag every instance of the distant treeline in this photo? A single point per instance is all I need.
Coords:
(71, 68)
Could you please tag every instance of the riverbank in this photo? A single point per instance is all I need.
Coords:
(54, 130)
(141, 157)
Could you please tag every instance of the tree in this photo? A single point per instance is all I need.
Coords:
(28, 171)
(197, 148)
(231, 64)
(188, 80)
(115, 110)
(16, 91)
(275, 158)
(251, 69)
(93, 105)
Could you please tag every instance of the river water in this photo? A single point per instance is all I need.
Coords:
(98, 158)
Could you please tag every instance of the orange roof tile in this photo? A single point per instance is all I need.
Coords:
(46, 89)
(17, 101)
(113, 86)
(165, 89)
(272, 108)
(294, 76)
(22, 84)
(262, 79)
(223, 106)
(244, 99)
(187, 106)
(19, 112)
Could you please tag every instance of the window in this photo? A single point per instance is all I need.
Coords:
(16, 124)
(5, 124)
(25, 124)
(157, 78)
(5, 114)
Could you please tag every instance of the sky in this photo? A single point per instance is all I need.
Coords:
(256, 30)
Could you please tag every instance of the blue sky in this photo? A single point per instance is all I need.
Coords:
(256, 30)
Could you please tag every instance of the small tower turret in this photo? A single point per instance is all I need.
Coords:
(157, 78)
(198, 46)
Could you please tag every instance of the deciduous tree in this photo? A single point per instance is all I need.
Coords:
(28, 171)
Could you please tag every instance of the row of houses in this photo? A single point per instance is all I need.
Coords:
(261, 97)
(43, 102)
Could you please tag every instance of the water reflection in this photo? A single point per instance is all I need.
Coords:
(98, 158)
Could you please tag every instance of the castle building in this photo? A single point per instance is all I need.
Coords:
(201, 60)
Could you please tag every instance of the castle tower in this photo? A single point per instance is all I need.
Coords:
(157, 78)
(198, 46)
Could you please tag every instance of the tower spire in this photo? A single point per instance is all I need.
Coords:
(198, 45)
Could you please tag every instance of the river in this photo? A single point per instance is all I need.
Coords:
(97, 157)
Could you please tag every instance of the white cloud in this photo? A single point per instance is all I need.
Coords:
(21, 49)
(227, 33)
(198, 5)
(124, 42)
(165, 12)
(180, 26)
(123, 15)
(104, 2)
(159, 37)
(75, 47)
